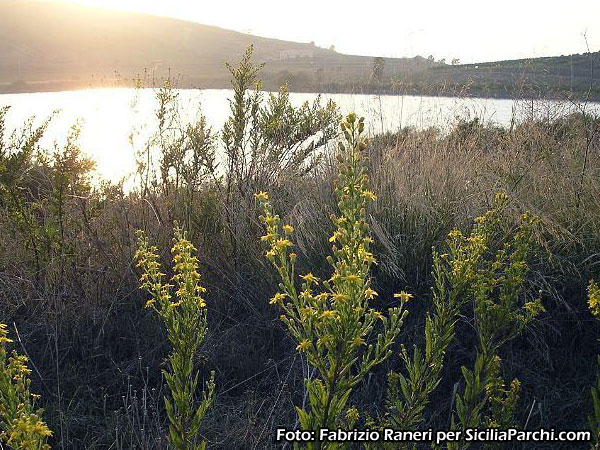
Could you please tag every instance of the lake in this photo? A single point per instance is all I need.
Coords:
(116, 122)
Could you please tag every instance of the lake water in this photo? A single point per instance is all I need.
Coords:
(116, 122)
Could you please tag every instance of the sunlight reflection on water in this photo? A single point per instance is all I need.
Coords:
(117, 122)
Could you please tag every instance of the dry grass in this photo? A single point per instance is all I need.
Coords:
(97, 352)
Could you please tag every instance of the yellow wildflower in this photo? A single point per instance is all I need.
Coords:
(352, 278)
(368, 194)
(303, 346)
(358, 341)
(370, 293)
(271, 220)
(323, 296)
(307, 312)
(454, 234)
(403, 296)
(328, 314)
(261, 196)
(378, 315)
(340, 297)
(368, 258)
(306, 295)
(277, 298)
(310, 278)
(325, 340)
(282, 244)
(268, 237)
(594, 298)
(174, 305)
(336, 235)
(288, 229)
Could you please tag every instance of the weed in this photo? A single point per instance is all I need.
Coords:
(21, 424)
(332, 327)
(184, 315)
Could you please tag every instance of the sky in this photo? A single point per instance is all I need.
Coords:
(471, 30)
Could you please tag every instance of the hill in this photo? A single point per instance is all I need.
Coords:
(530, 77)
(46, 45)
(54, 46)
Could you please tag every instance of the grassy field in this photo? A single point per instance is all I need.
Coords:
(69, 285)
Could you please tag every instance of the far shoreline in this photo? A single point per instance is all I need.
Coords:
(430, 91)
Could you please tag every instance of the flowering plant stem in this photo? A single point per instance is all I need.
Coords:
(331, 320)
(21, 424)
(184, 316)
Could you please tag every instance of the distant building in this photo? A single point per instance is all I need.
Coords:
(295, 54)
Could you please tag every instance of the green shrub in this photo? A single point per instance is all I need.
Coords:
(470, 272)
(494, 283)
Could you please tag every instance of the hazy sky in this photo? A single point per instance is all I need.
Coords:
(472, 30)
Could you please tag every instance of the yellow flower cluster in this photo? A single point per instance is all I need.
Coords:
(594, 298)
(186, 277)
(4, 339)
(303, 346)
(277, 299)
(368, 195)
(23, 427)
(310, 278)
(261, 196)
(329, 314)
(28, 432)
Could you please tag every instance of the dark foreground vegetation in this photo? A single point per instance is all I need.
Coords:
(70, 291)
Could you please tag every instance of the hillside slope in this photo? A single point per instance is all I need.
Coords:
(54, 44)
